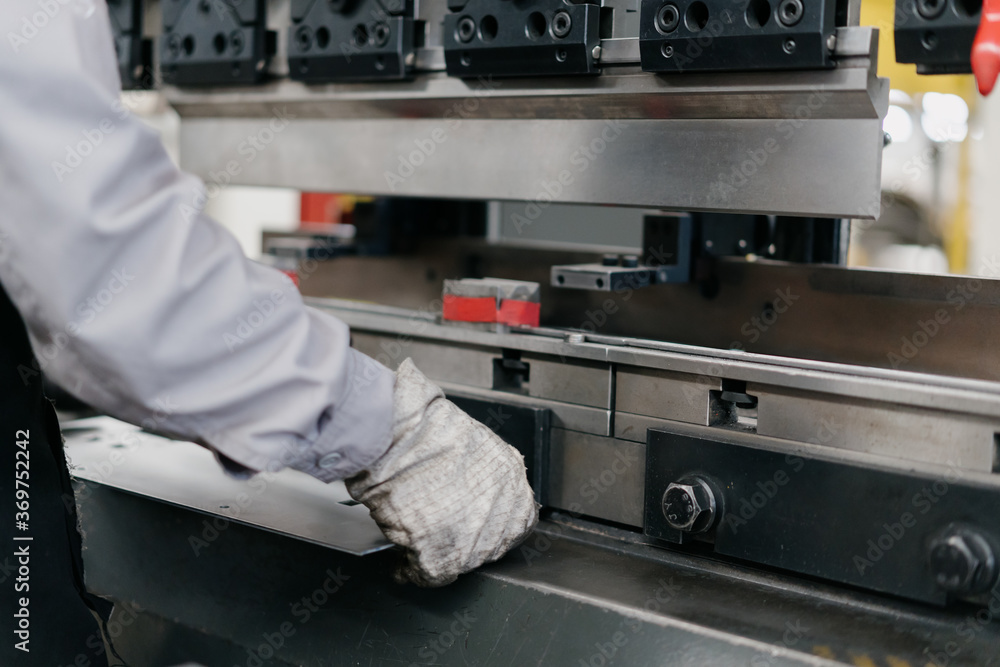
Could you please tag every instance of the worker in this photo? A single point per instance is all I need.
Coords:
(132, 300)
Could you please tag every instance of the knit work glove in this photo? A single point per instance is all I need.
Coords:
(448, 490)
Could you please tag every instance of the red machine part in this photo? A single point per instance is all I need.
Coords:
(986, 47)
(484, 309)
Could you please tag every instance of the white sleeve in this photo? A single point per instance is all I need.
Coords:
(134, 300)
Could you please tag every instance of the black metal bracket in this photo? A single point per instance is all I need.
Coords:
(215, 42)
(913, 535)
(937, 35)
(351, 40)
(699, 35)
(524, 428)
(531, 38)
(135, 52)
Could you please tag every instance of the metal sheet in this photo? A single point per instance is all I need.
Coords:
(121, 456)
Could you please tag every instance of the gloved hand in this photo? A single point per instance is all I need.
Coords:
(448, 489)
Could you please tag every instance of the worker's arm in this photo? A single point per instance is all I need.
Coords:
(138, 303)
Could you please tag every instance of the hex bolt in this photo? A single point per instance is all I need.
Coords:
(667, 50)
(689, 505)
(466, 29)
(668, 17)
(790, 12)
(561, 24)
(789, 46)
(962, 562)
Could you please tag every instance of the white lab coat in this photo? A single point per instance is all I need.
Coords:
(138, 303)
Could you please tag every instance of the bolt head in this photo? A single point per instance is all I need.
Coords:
(689, 505)
(962, 562)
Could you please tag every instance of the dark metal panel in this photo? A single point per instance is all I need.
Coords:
(854, 524)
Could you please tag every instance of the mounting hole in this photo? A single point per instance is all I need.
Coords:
(466, 60)
(758, 13)
(360, 35)
(561, 25)
(236, 42)
(600, 282)
(561, 55)
(929, 40)
(536, 25)
(466, 29)
(322, 37)
(488, 28)
(560, 279)
(696, 16)
(968, 7)
(380, 63)
(219, 42)
(789, 46)
(668, 17)
(931, 9)
(667, 50)
(381, 33)
(188, 45)
(790, 12)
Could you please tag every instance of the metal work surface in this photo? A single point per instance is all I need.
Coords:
(111, 453)
(573, 593)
